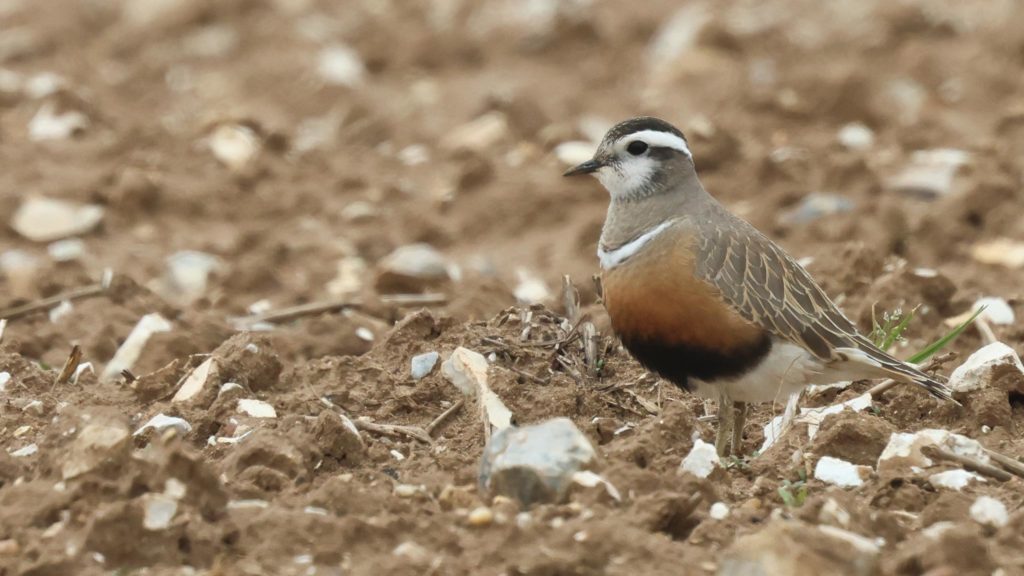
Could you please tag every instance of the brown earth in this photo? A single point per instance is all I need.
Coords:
(345, 174)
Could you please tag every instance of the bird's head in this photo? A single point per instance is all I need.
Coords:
(639, 157)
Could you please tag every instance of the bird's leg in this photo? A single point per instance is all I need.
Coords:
(726, 418)
(737, 427)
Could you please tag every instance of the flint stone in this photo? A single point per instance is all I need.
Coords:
(535, 464)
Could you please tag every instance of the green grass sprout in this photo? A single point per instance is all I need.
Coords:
(933, 348)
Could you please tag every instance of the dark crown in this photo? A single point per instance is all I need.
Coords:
(639, 124)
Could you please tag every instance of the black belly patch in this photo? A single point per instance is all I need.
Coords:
(677, 362)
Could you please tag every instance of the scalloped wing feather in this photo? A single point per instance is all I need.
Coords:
(767, 287)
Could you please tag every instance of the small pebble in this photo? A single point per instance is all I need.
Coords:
(406, 490)
(423, 364)
(719, 511)
(9, 547)
(751, 504)
(162, 422)
(856, 136)
(482, 516)
(66, 250)
(160, 510)
(34, 407)
(25, 451)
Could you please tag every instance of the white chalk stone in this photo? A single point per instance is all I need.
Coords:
(989, 512)
(66, 250)
(719, 511)
(159, 511)
(589, 479)
(195, 381)
(702, 459)
(531, 289)
(256, 408)
(574, 152)
(997, 310)
(233, 145)
(903, 452)
(42, 219)
(856, 136)
(467, 370)
(26, 451)
(1004, 252)
(984, 366)
(340, 65)
(131, 348)
(162, 422)
(954, 479)
(478, 134)
(48, 124)
(840, 472)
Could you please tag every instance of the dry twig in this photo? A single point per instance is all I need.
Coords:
(967, 462)
(591, 340)
(47, 303)
(414, 299)
(985, 329)
(444, 416)
(293, 312)
(3, 327)
(395, 430)
(323, 306)
(528, 376)
(570, 299)
(1013, 465)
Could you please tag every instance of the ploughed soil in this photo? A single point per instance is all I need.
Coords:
(446, 134)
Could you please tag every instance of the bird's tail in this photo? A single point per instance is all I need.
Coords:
(896, 369)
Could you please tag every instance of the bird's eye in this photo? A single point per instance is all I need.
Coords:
(637, 147)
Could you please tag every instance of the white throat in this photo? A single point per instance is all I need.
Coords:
(612, 258)
(627, 177)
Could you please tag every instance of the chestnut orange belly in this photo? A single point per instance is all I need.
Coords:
(674, 323)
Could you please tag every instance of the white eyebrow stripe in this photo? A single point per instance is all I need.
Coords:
(661, 139)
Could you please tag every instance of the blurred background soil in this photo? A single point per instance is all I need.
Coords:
(229, 158)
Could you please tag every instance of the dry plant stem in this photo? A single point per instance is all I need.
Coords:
(968, 463)
(313, 308)
(74, 359)
(528, 376)
(1011, 464)
(590, 346)
(570, 299)
(414, 299)
(46, 303)
(3, 327)
(294, 312)
(444, 416)
(395, 430)
(985, 329)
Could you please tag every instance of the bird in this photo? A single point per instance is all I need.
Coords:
(703, 299)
